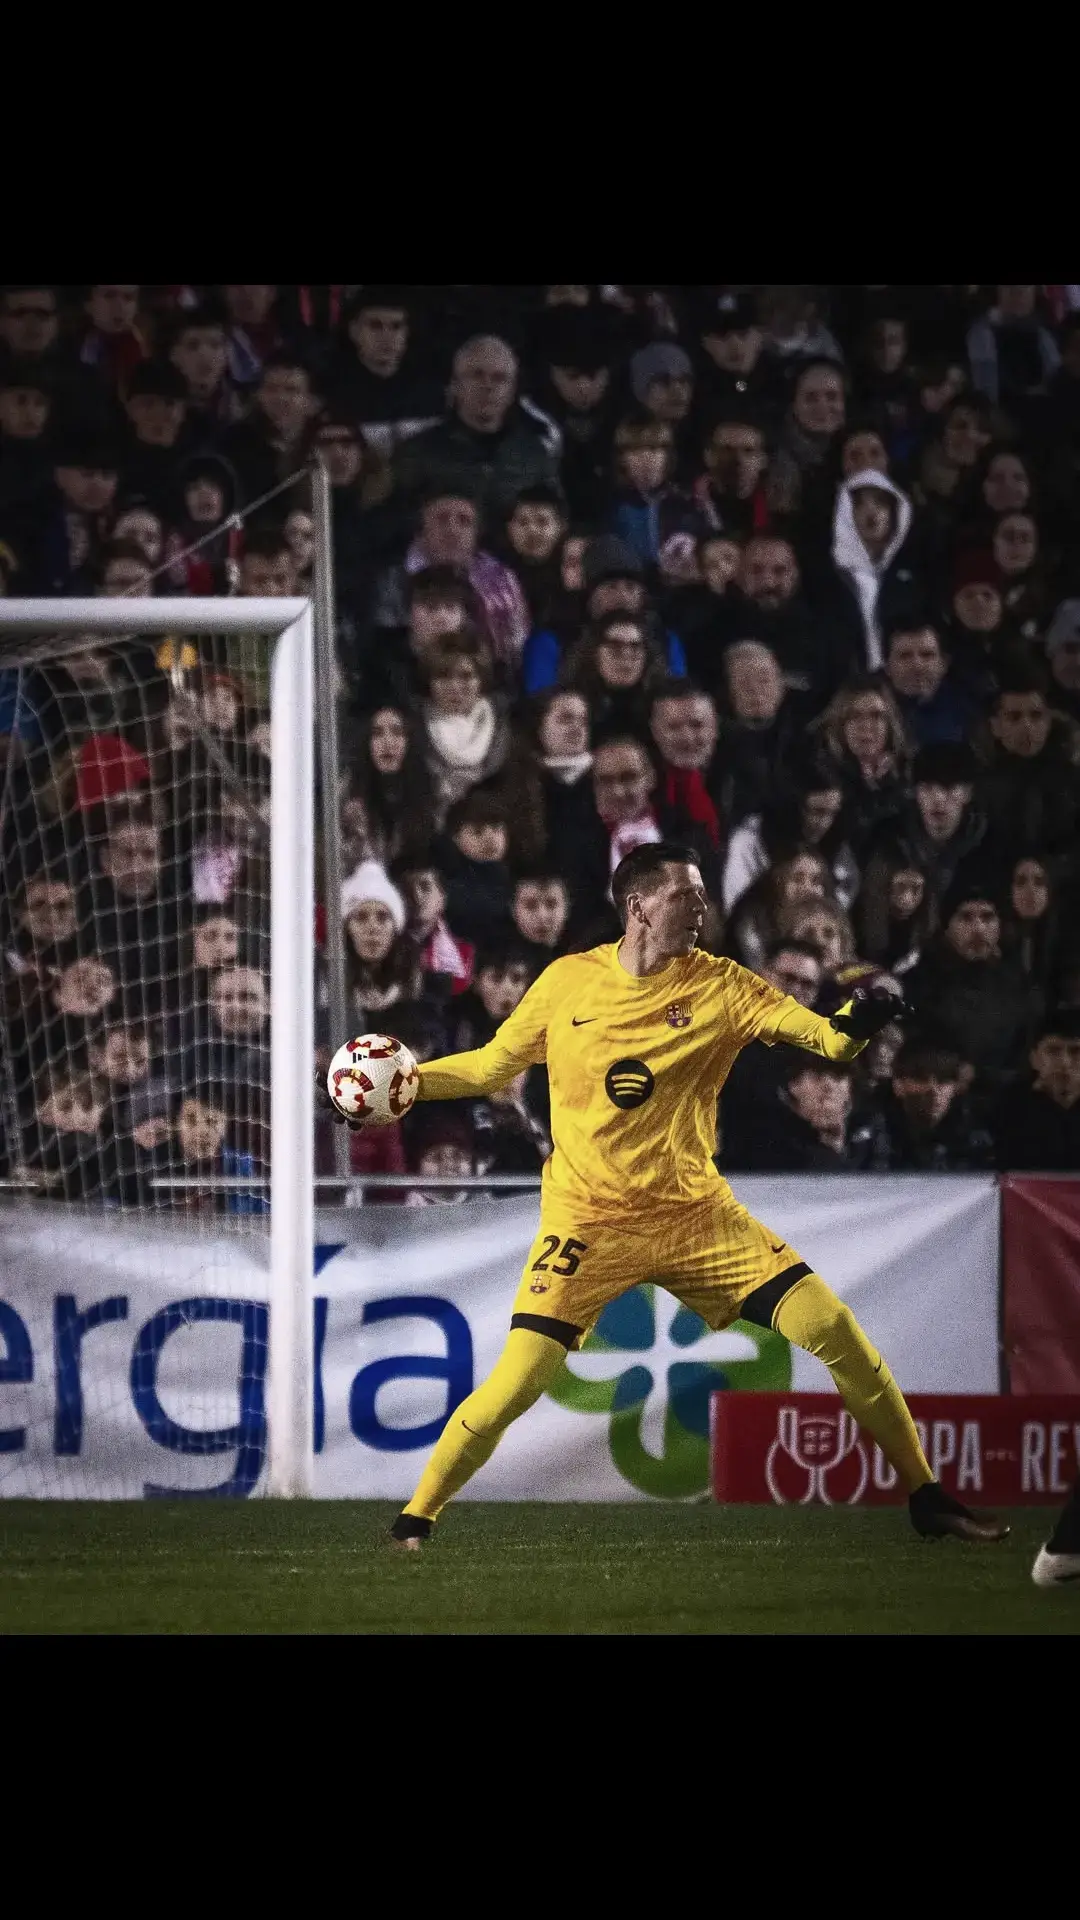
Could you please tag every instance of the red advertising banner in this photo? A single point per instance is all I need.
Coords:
(1040, 1228)
(794, 1449)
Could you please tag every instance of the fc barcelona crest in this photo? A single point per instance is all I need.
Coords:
(678, 1013)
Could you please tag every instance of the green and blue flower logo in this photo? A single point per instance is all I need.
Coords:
(658, 1408)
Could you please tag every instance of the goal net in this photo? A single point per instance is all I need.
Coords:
(156, 955)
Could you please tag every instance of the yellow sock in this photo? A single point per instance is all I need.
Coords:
(524, 1370)
(812, 1317)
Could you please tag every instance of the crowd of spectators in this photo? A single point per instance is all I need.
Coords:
(788, 574)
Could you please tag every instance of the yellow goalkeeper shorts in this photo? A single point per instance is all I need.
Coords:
(710, 1254)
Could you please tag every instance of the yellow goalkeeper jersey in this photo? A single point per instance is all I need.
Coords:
(634, 1066)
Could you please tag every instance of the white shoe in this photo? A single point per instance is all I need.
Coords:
(1056, 1569)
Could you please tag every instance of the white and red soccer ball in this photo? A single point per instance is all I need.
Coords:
(373, 1078)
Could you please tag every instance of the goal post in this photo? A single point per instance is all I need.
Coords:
(58, 629)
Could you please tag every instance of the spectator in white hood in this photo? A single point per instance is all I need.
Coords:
(874, 583)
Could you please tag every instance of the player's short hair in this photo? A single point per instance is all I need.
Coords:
(642, 870)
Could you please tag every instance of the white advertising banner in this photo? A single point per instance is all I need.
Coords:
(133, 1354)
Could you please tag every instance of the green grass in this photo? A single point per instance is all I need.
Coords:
(323, 1567)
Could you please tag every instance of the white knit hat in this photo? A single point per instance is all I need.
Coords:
(370, 881)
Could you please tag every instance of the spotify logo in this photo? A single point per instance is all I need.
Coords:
(628, 1083)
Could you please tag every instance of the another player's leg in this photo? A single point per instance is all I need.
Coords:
(1057, 1564)
(800, 1305)
(524, 1370)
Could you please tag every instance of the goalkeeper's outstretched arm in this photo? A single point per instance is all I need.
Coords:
(520, 1042)
(845, 1035)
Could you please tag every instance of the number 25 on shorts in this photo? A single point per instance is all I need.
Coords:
(569, 1260)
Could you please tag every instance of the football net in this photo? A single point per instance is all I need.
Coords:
(156, 952)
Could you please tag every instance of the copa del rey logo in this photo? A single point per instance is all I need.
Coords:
(816, 1457)
(801, 1449)
(824, 1457)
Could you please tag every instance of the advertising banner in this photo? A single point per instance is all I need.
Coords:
(798, 1449)
(1041, 1283)
(133, 1354)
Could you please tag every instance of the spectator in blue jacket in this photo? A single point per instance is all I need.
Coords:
(933, 705)
(614, 579)
(649, 511)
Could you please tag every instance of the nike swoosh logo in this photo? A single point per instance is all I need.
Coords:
(591, 1021)
(777, 1249)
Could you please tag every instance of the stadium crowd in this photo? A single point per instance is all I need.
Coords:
(790, 575)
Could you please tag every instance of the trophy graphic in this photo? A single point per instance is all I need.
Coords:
(816, 1457)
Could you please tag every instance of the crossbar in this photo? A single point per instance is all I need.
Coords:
(195, 615)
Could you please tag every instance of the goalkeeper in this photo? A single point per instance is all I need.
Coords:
(639, 1037)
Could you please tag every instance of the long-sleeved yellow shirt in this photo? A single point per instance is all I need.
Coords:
(635, 1066)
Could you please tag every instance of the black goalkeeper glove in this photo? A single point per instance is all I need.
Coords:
(325, 1105)
(869, 1010)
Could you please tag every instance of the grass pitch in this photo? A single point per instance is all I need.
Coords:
(324, 1568)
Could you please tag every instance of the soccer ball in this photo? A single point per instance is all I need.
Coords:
(373, 1078)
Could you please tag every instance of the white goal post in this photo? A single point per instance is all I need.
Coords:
(291, 1224)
